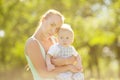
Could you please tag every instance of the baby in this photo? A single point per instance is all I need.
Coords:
(64, 49)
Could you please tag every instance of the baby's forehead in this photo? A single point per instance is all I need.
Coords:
(66, 33)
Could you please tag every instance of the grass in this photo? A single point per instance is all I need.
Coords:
(21, 74)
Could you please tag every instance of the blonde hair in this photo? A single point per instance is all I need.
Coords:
(50, 12)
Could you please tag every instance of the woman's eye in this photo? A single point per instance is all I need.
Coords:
(57, 29)
(61, 37)
(53, 24)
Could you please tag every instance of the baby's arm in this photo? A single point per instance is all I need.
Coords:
(50, 66)
(63, 61)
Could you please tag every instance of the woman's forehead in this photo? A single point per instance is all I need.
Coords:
(56, 18)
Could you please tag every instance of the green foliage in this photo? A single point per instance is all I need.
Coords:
(96, 25)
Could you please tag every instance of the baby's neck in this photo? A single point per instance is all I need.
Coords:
(64, 45)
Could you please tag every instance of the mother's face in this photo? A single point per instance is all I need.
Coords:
(52, 24)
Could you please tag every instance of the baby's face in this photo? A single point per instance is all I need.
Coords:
(65, 38)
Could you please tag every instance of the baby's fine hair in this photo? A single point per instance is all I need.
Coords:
(66, 27)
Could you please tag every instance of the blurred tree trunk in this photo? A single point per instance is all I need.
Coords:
(118, 58)
(94, 60)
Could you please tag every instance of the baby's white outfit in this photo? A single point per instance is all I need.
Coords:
(57, 50)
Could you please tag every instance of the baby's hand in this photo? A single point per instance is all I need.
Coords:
(73, 68)
(50, 67)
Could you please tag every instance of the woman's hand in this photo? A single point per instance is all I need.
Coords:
(63, 61)
(50, 67)
(79, 67)
(73, 68)
(58, 61)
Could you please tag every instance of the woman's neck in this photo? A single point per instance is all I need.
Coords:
(40, 35)
(45, 41)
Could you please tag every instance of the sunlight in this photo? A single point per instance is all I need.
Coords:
(96, 7)
(107, 52)
(2, 33)
(107, 2)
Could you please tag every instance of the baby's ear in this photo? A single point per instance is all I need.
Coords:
(72, 40)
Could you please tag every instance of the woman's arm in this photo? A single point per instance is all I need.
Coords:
(63, 61)
(33, 51)
(50, 66)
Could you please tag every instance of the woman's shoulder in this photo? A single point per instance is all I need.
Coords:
(30, 44)
(29, 41)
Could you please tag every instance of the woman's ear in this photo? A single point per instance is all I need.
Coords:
(43, 20)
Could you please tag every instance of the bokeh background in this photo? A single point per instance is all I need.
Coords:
(96, 24)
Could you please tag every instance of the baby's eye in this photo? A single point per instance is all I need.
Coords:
(67, 37)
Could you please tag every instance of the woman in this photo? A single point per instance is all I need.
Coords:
(37, 46)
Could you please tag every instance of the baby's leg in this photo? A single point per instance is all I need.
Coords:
(78, 76)
(64, 76)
